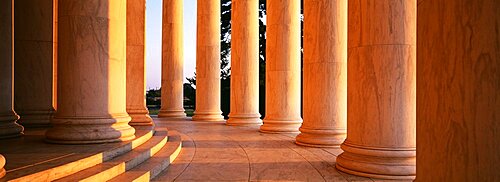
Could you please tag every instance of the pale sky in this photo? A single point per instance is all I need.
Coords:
(153, 41)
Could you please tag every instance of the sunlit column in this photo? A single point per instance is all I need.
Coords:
(283, 67)
(34, 57)
(136, 68)
(172, 88)
(8, 126)
(244, 63)
(458, 90)
(325, 73)
(91, 73)
(381, 135)
(2, 163)
(208, 62)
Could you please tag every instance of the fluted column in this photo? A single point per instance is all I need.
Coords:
(244, 63)
(91, 73)
(2, 164)
(381, 135)
(34, 60)
(8, 126)
(136, 73)
(283, 67)
(458, 90)
(208, 62)
(325, 73)
(172, 87)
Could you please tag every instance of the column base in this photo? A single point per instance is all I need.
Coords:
(280, 126)
(35, 119)
(244, 119)
(9, 127)
(382, 163)
(331, 138)
(174, 114)
(88, 130)
(140, 118)
(208, 116)
(2, 164)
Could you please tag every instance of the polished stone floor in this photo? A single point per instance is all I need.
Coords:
(212, 151)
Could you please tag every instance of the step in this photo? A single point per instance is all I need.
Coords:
(112, 168)
(156, 164)
(77, 161)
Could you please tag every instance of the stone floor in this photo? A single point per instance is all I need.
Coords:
(212, 151)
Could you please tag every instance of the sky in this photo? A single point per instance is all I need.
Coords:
(153, 41)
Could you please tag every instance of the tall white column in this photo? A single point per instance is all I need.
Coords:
(208, 62)
(8, 125)
(325, 73)
(91, 73)
(244, 63)
(283, 67)
(172, 77)
(136, 68)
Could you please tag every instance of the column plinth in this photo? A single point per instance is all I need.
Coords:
(8, 125)
(172, 76)
(34, 84)
(136, 69)
(2, 164)
(244, 63)
(91, 74)
(208, 62)
(381, 135)
(325, 74)
(283, 70)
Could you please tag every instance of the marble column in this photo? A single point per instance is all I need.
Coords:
(283, 67)
(458, 90)
(8, 125)
(2, 164)
(381, 90)
(91, 73)
(244, 63)
(172, 77)
(34, 57)
(208, 62)
(136, 68)
(325, 74)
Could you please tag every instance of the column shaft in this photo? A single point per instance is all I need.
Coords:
(458, 90)
(325, 73)
(136, 73)
(244, 63)
(172, 77)
(91, 73)
(208, 62)
(34, 59)
(283, 70)
(381, 90)
(8, 126)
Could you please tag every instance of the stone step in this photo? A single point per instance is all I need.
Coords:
(69, 164)
(114, 167)
(156, 164)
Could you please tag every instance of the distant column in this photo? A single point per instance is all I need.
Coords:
(244, 63)
(283, 67)
(136, 69)
(458, 90)
(2, 164)
(208, 62)
(325, 73)
(92, 73)
(8, 126)
(34, 84)
(172, 77)
(381, 135)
